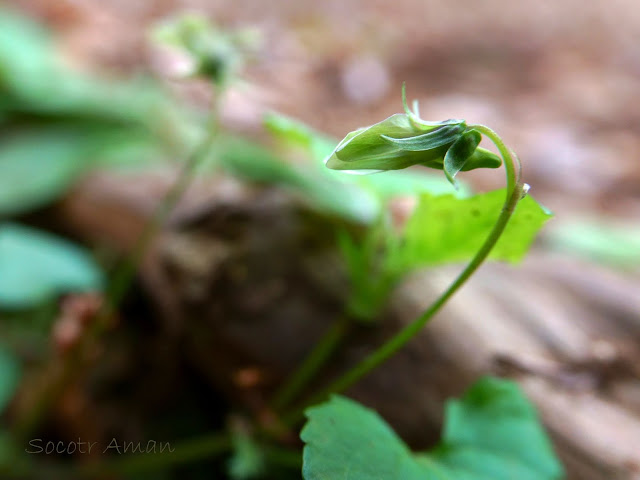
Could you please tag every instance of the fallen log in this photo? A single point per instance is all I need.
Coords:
(248, 279)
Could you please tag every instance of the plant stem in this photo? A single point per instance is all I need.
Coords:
(188, 451)
(123, 276)
(121, 281)
(513, 196)
(194, 449)
(312, 363)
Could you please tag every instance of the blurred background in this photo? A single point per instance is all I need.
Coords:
(244, 275)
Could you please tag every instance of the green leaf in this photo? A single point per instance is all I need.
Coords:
(403, 183)
(460, 152)
(36, 167)
(369, 286)
(449, 229)
(57, 121)
(255, 163)
(35, 266)
(492, 433)
(25, 53)
(9, 377)
(603, 240)
(35, 81)
(295, 132)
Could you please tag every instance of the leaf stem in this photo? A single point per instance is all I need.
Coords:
(514, 194)
(312, 363)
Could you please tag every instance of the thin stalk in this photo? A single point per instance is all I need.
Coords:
(313, 362)
(118, 287)
(283, 457)
(369, 363)
(124, 275)
(188, 451)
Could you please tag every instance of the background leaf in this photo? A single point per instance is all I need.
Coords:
(35, 266)
(602, 240)
(36, 167)
(255, 163)
(57, 122)
(492, 433)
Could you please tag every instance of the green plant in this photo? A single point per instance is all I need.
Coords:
(400, 141)
(492, 433)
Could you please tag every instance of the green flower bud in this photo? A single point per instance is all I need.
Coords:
(404, 140)
(393, 144)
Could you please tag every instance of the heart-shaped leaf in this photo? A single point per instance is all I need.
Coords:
(492, 433)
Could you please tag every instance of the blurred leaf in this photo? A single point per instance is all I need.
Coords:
(247, 460)
(402, 183)
(58, 122)
(448, 229)
(9, 377)
(492, 433)
(295, 132)
(255, 163)
(25, 54)
(34, 80)
(369, 285)
(600, 240)
(35, 266)
(37, 167)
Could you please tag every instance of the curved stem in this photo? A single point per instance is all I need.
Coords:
(312, 363)
(514, 194)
